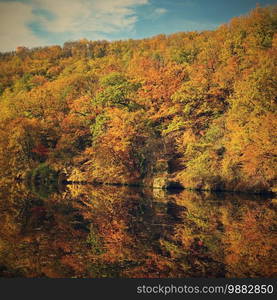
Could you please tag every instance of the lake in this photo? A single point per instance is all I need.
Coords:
(85, 231)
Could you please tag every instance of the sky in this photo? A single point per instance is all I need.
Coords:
(33, 23)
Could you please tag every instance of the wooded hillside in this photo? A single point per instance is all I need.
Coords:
(197, 108)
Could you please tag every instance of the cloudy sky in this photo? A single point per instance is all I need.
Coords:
(34, 23)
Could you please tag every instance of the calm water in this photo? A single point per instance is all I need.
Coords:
(108, 231)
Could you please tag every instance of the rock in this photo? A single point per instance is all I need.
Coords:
(161, 182)
(159, 194)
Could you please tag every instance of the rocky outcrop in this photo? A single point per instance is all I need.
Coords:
(162, 179)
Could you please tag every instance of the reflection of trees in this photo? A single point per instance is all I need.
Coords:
(236, 233)
(250, 243)
(111, 231)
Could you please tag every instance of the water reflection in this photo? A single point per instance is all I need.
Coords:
(107, 231)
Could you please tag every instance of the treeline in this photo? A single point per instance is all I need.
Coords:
(197, 108)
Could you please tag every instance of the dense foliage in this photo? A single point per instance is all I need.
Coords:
(197, 107)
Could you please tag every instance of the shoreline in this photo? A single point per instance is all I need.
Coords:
(169, 189)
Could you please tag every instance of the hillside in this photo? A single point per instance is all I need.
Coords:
(196, 109)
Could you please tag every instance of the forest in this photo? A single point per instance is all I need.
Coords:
(191, 109)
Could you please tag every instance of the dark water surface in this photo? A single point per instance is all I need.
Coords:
(108, 231)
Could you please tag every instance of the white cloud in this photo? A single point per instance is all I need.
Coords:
(14, 30)
(72, 18)
(156, 13)
(160, 11)
(105, 16)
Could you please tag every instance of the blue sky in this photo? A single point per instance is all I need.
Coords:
(34, 23)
